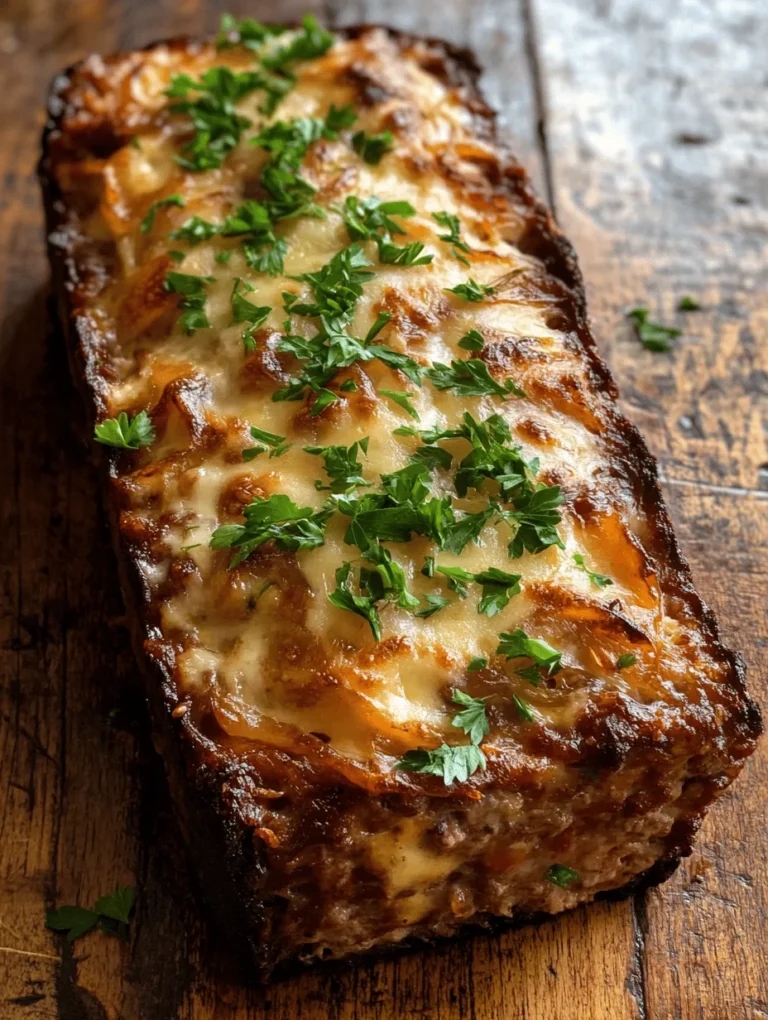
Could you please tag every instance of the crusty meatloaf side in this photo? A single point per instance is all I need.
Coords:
(420, 647)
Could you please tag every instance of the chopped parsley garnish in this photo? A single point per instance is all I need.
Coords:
(454, 761)
(451, 762)
(470, 378)
(337, 286)
(371, 148)
(363, 603)
(428, 570)
(311, 41)
(433, 457)
(463, 530)
(223, 257)
(263, 250)
(370, 217)
(159, 203)
(472, 718)
(191, 301)
(498, 587)
(523, 708)
(405, 255)
(244, 310)
(560, 875)
(599, 580)
(517, 645)
(654, 336)
(124, 433)
(435, 602)
(476, 663)
(536, 518)
(275, 518)
(210, 104)
(402, 399)
(194, 230)
(625, 660)
(453, 237)
(276, 444)
(471, 290)
(688, 304)
(177, 256)
(342, 466)
(245, 32)
(472, 341)
(111, 913)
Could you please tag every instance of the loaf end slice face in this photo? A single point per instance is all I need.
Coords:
(420, 648)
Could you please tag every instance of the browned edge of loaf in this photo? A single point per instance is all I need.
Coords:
(218, 842)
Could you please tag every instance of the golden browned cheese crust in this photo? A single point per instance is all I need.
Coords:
(280, 717)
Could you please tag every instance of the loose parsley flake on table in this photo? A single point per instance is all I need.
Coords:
(112, 914)
(124, 433)
(653, 335)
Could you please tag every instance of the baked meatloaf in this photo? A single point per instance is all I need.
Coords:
(420, 647)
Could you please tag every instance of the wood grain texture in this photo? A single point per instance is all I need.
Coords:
(653, 146)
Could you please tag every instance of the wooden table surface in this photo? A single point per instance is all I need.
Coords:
(646, 125)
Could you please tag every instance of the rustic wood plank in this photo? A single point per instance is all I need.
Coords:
(654, 130)
(656, 124)
(74, 819)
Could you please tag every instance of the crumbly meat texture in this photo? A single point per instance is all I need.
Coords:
(280, 717)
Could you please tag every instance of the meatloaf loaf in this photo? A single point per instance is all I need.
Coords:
(420, 648)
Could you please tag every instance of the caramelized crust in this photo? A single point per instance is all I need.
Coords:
(279, 717)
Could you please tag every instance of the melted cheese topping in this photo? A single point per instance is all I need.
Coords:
(277, 660)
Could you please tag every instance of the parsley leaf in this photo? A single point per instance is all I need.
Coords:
(277, 444)
(369, 217)
(126, 434)
(405, 255)
(371, 148)
(599, 580)
(536, 518)
(498, 588)
(471, 290)
(218, 126)
(472, 718)
(560, 875)
(435, 602)
(517, 645)
(192, 300)
(625, 660)
(453, 226)
(244, 310)
(524, 709)
(654, 336)
(362, 604)
(458, 761)
(111, 913)
(276, 518)
(341, 465)
(476, 663)
(245, 32)
(194, 230)
(402, 400)
(311, 41)
(460, 532)
(688, 304)
(470, 378)
(472, 341)
(263, 250)
(159, 203)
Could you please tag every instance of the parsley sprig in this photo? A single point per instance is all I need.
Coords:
(275, 518)
(454, 761)
(453, 237)
(653, 336)
(124, 433)
(470, 378)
